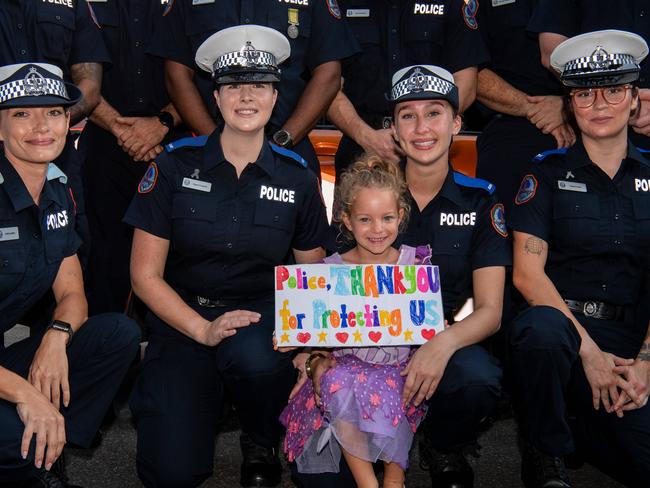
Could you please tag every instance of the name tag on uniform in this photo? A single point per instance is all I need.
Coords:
(498, 3)
(357, 12)
(9, 234)
(571, 186)
(201, 2)
(197, 184)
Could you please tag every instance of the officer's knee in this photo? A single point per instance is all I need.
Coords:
(542, 327)
(472, 366)
(122, 333)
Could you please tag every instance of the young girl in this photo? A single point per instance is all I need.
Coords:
(356, 407)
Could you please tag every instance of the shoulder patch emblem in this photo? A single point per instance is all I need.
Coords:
(543, 155)
(470, 9)
(334, 9)
(289, 154)
(498, 217)
(527, 189)
(148, 181)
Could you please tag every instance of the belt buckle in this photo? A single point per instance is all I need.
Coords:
(589, 309)
(204, 302)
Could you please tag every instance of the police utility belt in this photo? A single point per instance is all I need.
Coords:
(597, 310)
(207, 302)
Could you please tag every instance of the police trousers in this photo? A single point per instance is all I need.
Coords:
(178, 395)
(98, 357)
(553, 398)
(467, 393)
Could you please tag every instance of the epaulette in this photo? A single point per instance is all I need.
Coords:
(197, 141)
(643, 151)
(289, 154)
(541, 156)
(464, 180)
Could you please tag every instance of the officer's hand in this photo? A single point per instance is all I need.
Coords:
(599, 370)
(545, 112)
(634, 381)
(425, 369)
(564, 136)
(641, 123)
(299, 364)
(320, 366)
(381, 143)
(49, 369)
(144, 134)
(226, 325)
(41, 418)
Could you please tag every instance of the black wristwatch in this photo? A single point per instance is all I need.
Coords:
(283, 138)
(166, 119)
(63, 327)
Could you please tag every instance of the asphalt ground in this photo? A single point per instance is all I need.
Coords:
(112, 464)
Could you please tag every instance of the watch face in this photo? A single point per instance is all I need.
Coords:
(282, 138)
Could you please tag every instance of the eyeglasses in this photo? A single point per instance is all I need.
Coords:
(611, 94)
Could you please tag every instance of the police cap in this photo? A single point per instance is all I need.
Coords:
(243, 54)
(35, 85)
(600, 58)
(424, 82)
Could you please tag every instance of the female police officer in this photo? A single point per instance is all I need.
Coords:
(57, 384)
(581, 224)
(213, 217)
(464, 224)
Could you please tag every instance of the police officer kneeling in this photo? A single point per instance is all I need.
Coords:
(581, 237)
(213, 216)
(57, 385)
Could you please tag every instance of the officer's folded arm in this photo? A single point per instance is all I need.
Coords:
(529, 259)
(466, 80)
(148, 257)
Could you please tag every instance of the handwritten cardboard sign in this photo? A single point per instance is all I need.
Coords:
(339, 305)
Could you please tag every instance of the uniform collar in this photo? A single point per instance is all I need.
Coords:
(449, 189)
(17, 191)
(576, 155)
(213, 155)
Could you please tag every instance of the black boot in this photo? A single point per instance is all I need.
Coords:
(448, 469)
(261, 465)
(54, 478)
(539, 470)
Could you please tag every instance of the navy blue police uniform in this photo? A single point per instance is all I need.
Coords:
(572, 17)
(317, 35)
(598, 233)
(226, 235)
(63, 34)
(507, 145)
(135, 86)
(395, 34)
(34, 240)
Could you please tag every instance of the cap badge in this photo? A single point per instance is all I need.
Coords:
(600, 59)
(416, 82)
(249, 55)
(35, 83)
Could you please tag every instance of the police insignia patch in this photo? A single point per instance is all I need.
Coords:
(527, 189)
(469, 10)
(334, 9)
(498, 217)
(148, 181)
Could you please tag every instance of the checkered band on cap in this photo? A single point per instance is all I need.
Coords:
(246, 58)
(418, 83)
(32, 87)
(600, 60)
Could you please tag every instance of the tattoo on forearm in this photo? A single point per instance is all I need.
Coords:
(534, 245)
(88, 76)
(644, 353)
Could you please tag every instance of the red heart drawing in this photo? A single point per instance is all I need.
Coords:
(374, 336)
(428, 333)
(303, 337)
(342, 337)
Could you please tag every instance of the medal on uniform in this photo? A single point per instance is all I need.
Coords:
(292, 30)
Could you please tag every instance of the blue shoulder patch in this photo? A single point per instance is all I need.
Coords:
(197, 141)
(464, 180)
(541, 156)
(289, 154)
(643, 151)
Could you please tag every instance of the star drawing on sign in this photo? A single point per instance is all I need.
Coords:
(284, 338)
(357, 336)
(322, 337)
(408, 335)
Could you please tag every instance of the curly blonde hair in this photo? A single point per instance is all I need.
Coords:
(369, 171)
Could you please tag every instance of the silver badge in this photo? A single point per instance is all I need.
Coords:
(571, 186)
(599, 59)
(416, 82)
(292, 31)
(249, 56)
(34, 83)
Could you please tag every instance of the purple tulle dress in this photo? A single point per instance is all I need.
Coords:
(361, 404)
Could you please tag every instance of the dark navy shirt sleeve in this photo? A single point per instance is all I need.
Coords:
(88, 44)
(464, 46)
(151, 207)
(557, 16)
(170, 40)
(489, 245)
(74, 241)
(311, 225)
(532, 211)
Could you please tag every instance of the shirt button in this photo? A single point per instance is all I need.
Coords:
(234, 218)
(617, 242)
(247, 20)
(276, 218)
(138, 71)
(137, 43)
(604, 287)
(58, 17)
(136, 20)
(617, 216)
(20, 26)
(192, 210)
(229, 245)
(140, 100)
(5, 263)
(36, 235)
(457, 245)
(22, 51)
(394, 31)
(394, 57)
